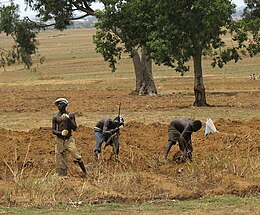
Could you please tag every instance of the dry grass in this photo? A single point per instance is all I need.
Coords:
(72, 68)
(113, 181)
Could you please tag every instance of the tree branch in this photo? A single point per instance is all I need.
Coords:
(85, 9)
(40, 25)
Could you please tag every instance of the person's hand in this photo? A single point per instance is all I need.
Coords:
(112, 131)
(64, 116)
(64, 133)
(115, 130)
(182, 140)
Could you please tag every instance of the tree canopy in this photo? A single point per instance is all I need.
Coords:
(23, 34)
(61, 13)
(190, 27)
(24, 31)
(252, 10)
(251, 23)
(121, 26)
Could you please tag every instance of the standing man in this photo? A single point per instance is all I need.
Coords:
(103, 130)
(181, 129)
(63, 123)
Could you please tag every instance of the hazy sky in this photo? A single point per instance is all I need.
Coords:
(31, 13)
(94, 6)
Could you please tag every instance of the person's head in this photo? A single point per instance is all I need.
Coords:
(119, 120)
(61, 103)
(196, 125)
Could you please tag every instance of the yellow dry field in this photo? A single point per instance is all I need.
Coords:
(224, 163)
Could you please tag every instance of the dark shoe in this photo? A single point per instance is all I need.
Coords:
(82, 167)
(84, 175)
(96, 156)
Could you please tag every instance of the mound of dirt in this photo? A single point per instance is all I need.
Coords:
(224, 163)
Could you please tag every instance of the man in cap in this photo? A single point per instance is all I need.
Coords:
(103, 131)
(63, 123)
(180, 130)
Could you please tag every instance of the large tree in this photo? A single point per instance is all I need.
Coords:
(23, 36)
(189, 29)
(123, 27)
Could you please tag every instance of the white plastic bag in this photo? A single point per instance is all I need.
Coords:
(210, 127)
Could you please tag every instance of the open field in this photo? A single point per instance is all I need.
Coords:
(226, 163)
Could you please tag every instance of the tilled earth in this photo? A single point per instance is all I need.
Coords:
(226, 162)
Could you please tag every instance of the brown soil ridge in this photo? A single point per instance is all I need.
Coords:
(224, 163)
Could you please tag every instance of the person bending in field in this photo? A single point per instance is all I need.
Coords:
(103, 130)
(63, 123)
(180, 130)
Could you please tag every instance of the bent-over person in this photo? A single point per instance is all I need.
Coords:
(63, 123)
(103, 130)
(180, 130)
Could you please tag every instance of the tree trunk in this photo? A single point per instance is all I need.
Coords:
(143, 72)
(199, 89)
(138, 71)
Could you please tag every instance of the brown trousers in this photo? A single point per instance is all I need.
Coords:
(61, 150)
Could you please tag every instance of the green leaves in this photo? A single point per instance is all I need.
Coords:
(251, 26)
(8, 17)
(130, 23)
(58, 12)
(225, 56)
(108, 44)
(23, 34)
(252, 10)
(188, 28)
(174, 31)
(245, 33)
(61, 12)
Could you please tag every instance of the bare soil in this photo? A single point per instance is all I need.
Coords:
(226, 162)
